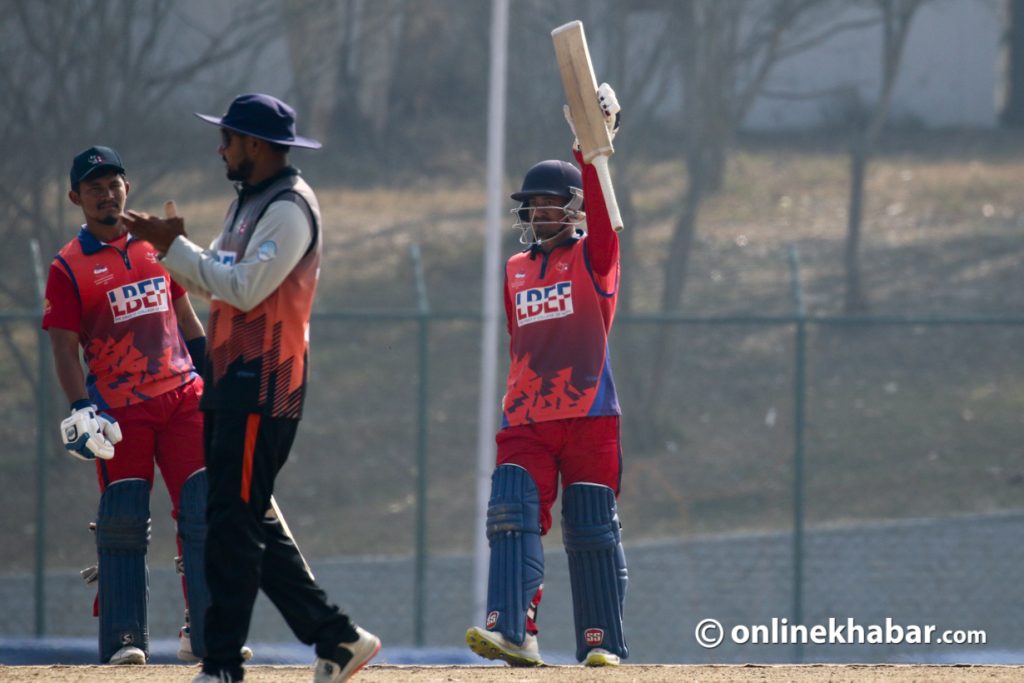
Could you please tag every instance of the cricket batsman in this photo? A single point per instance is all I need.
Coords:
(560, 418)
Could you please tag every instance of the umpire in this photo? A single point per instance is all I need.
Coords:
(261, 275)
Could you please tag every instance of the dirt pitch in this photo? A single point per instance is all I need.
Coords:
(811, 673)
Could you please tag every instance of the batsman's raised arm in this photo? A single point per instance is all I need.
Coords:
(603, 242)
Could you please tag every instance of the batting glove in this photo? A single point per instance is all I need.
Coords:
(609, 104)
(85, 433)
(609, 107)
(109, 427)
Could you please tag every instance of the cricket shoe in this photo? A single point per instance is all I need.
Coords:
(185, 653)
(222, 677)
(349, 658)
(129, 654)
(493, 645)
(601, 657)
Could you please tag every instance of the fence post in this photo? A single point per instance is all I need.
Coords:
(799, 394)
(423, 393)
(42, 430)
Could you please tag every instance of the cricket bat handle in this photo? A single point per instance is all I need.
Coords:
(600, 163)
(170, 209)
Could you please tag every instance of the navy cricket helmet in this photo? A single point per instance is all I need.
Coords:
(551, 178)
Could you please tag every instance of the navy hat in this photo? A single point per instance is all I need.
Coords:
(264, 117)
(93, 159)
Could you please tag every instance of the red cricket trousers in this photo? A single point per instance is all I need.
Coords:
(575, 450)
(166, 432)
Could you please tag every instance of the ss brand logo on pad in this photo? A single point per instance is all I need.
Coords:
(544, 303)
(138, 298)
(593, 636)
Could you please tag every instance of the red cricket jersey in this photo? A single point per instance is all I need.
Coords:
(560, 307)
(117, 297)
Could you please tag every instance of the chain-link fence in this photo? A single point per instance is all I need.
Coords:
(794, 467)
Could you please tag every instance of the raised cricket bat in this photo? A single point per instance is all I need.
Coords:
(170, 209)
(581, 95)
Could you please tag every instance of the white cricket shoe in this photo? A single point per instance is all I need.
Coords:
(361, 652)
(601, 657)
(129, 654)
(185, 653)
(493, 645)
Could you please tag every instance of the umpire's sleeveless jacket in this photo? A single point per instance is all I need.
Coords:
(258, 359)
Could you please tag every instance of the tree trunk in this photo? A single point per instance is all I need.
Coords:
(1012, 113)
(313, 32)
(674, 282)
(856, 299)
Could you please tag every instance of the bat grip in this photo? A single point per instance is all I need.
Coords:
(605, 177)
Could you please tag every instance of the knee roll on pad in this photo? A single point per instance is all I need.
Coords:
(192, 530)
(122, 538)
(517, 557)
(597, 567)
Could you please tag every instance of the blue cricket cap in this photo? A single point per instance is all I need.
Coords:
(88, 162)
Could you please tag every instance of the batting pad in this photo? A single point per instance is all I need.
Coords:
(122, 537)
(597, 567)
(192, 531)
(517, 558)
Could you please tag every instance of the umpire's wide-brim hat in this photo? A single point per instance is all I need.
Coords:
(264, 117)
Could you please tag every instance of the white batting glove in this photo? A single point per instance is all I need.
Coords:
(609, 104)
(111, 430)
(83, 435)
(609, 107)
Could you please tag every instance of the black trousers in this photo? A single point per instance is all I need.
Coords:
(247, 549)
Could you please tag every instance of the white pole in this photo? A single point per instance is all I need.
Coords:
(491, 299)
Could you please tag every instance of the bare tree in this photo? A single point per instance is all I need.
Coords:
(79, 71)
(895, 18)
(726, 51)
(315, 39)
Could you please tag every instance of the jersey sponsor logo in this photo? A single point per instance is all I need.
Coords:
(99, 270)
(518, 280)
(226, 257)
(544, 303)
(139, 298)
(267, 251)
